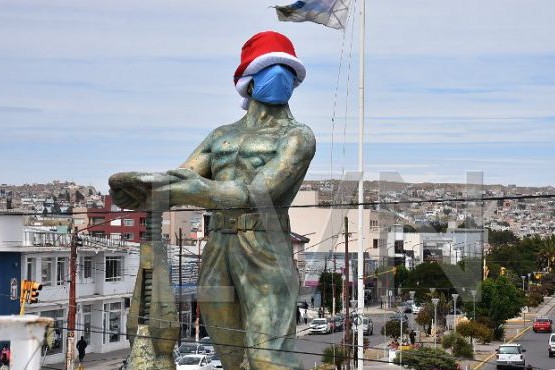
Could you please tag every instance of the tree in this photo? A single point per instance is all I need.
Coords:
(328, 283)
(474, 329)
(500, 301)
(459, 346)
(425, 317)
(427, 358)
(504, 237)
(392, 328)
(547, 252)
(335, 355)
(468, 223)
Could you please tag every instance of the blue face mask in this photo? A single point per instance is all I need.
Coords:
(273, 84)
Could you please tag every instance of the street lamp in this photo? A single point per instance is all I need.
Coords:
(473, 292)
(523, 278)
(455, 296)
(435, 301)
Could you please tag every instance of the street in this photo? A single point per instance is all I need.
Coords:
(536, 351)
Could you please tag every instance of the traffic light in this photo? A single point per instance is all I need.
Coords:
(34, 288)
(24, 290)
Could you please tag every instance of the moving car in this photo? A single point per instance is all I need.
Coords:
(320, 326)
(551, 345)
(194, 362)
(364, 322)
(510, 355)
(542, 324)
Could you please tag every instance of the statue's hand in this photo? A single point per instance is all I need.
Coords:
(135, 190)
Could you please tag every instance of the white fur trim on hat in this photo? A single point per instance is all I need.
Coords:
(242, 85)
(276, 57)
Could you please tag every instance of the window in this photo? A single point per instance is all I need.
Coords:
(114, 268)
(46, 271)
(31, 268)
(398, 245)
(142, 221)
(112, 322)
(116, 222)
(86, 267)
(61, 270)
(127, 236)
(87, 320)
(375, 243)
(97, 220)
(128, 222)
(58, 340)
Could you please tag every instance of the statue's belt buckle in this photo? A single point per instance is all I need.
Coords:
(229, 225)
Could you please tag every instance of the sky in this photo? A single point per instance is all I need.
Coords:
(91, 88)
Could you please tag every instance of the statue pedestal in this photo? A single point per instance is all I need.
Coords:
(143, 355)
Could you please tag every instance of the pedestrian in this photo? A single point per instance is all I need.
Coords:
(81, 345)
(312, 302)
(5, 356)
(305, 304)
(412, 336)
(298, 316)
(320, 313)
(305, 316)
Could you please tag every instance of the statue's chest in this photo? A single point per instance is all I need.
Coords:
(245, 149)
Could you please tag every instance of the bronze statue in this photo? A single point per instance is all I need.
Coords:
(248, 173)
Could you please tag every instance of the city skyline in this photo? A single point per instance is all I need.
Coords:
(93, 89)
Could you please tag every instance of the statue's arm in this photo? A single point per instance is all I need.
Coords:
(274, 180)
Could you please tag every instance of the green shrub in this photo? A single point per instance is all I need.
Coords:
(335, 355)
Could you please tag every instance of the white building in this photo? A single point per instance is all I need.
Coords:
(105, 280)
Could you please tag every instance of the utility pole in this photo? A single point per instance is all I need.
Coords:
(346, 295)
(180, 305)
(197, 321)
(72, 308)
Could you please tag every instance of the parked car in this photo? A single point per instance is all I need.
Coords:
(194, 362)
(191, 349)
(551, 345)
(319, 326)
(415, 308)
(542, 324)
(338, 323)
(364, 322)
(216, 362)
(510, 355)
(207, 343)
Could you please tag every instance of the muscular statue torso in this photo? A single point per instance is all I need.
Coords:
(265, 151)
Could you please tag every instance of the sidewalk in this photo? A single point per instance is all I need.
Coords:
(98, 361)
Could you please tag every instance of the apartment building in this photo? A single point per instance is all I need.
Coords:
(105, 279)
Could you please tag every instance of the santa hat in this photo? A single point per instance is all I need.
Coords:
(263, 50)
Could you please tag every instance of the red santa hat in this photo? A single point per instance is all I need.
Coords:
(263, 50)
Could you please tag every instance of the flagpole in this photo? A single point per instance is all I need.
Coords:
(360, 266)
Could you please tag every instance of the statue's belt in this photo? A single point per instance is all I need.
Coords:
(227, 224)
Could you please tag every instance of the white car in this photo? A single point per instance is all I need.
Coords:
(319, 326)
(416, 308)
(510, 355)
(207, 343)
(194, 362)
(551, 345)
(216, 362)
